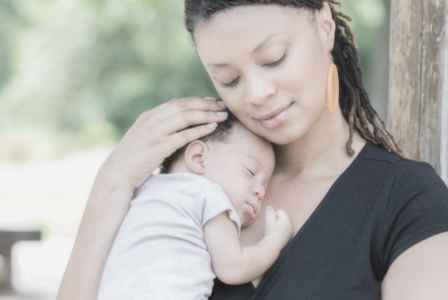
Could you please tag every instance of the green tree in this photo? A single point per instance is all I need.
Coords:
(83, 70)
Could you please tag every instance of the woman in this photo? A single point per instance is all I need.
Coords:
(368, 223)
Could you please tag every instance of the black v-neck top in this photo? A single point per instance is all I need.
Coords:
(379, 207)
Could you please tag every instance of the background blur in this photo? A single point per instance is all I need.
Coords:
(74, 75)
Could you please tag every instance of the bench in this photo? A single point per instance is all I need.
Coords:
(8, 237)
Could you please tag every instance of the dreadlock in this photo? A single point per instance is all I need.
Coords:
(354, 101)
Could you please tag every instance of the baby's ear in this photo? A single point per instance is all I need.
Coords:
(195, 156)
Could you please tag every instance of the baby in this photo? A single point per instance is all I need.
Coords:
(183, 228)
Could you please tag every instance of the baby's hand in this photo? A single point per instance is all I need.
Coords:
(278, 225)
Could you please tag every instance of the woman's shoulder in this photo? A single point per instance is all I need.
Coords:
(405, 170)
(404, 179)
(416, 202)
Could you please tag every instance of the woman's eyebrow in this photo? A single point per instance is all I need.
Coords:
(263, 43)
(218, 65)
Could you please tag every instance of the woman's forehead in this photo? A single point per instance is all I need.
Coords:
(246, 16)
(248, 27)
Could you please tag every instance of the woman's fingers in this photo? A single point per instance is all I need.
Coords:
(151, 119)
(159, 132)
(195, 103)
(187, 118)
(181, 138)
(175, 106)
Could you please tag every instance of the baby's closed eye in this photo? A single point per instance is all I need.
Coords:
(252, 173)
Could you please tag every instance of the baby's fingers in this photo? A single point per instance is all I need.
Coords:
(281, 215)
(271, 218)
(282, 218)
(181, 138)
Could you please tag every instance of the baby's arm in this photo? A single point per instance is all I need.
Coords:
(234, 264)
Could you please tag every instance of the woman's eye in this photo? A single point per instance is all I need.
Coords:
(232, 83)
(276, 63)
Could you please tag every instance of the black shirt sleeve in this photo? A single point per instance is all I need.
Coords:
(417, 209)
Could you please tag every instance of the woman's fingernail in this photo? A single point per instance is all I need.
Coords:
(221, 103)
(210, 98)
(222, 113)
(212, 125)
(268, 207)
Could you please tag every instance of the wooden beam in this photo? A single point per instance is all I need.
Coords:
(444, 104)
(418, 87)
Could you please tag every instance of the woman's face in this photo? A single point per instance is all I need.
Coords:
(269, 64)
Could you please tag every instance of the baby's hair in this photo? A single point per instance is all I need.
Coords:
(220, 134)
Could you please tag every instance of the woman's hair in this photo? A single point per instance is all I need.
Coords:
(354, 101)
(220, 134)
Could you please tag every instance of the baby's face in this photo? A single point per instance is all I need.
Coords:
(242, 167)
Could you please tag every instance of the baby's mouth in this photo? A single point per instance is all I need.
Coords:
(252, 210)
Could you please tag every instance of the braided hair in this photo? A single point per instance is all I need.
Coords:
(354, 101)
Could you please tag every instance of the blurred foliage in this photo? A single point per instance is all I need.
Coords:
(79, 72)
(368, 16)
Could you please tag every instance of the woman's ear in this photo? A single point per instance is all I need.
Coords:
(326, 26)
(195, 156)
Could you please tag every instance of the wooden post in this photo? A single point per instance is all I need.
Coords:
(418, 86)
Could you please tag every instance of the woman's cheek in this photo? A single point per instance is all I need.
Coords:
(236, 104)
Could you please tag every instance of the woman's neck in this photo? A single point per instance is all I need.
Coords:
(321, 152)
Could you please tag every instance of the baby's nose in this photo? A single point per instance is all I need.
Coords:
(259, 192)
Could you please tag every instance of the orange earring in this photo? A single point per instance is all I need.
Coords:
(333, 89)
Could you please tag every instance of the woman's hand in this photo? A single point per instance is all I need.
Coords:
(159, 132)
(155, 135)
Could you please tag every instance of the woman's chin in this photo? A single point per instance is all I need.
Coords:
(288, 132)
(283, 135)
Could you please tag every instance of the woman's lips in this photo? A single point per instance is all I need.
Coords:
(276, 118)
(252, 210)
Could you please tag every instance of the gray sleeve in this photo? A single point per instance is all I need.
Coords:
(216, 202)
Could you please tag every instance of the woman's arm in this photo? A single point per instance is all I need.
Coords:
(234, 264)
(106, 208)
(153, 137)
(420, 272)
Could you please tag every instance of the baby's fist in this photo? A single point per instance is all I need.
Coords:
(278, 225)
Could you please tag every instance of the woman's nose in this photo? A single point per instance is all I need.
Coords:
(258, 91)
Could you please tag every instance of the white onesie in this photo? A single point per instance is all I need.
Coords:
(159, 252)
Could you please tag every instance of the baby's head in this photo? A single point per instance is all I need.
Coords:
(234, 158)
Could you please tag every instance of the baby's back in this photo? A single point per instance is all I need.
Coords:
(159, 251)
